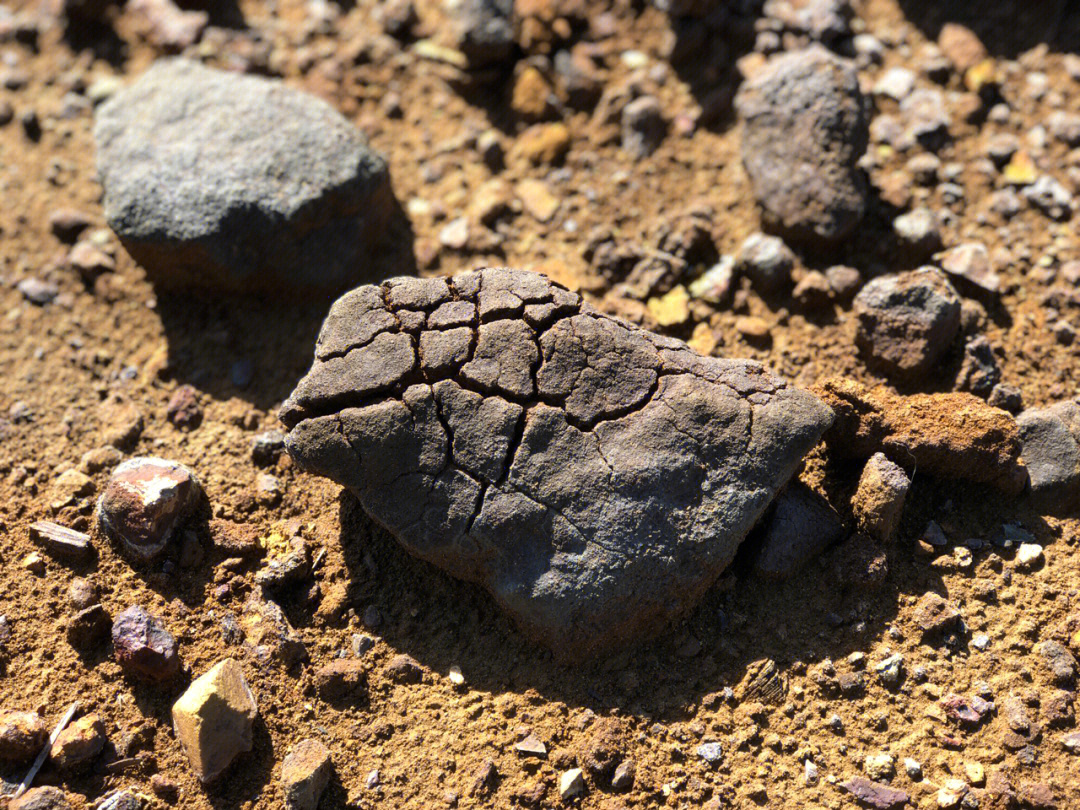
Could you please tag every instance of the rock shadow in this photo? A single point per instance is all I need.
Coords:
(1007, 28)
(742, 623)
(255, 348)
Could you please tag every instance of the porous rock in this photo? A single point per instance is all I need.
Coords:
(239, 183)
(805, 129)
(906, 321)
(509, 433)
(145, 502)
(948, 436)
(213, 719)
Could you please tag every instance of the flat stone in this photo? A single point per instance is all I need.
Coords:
(287, 195)
(61, 542)
(42, 798)
(305, 773)
(805, 129)
(874, 794)
(213, 719)
(530, 747)
(145, 502)
(571, 784)
(948, 436)
(563, 467)
(78, 744)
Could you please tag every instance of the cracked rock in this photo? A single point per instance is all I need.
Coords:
(805, 130)
(594, 477)
(287, 195)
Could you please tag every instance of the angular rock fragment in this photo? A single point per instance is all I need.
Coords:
(213, 719)
(239, 183)
(305, 774)
(142, 646)
(879, 499)
(948, 436)
(78, 744)
(268, 631)
(61, 541)
(594, 477)
(933, 614)
(1051, 451)
(906, 321)
(875, 794)
(805, 131)
(42, 798)
(341, 679)
(483, 29)
(145, 502)
(801, 526)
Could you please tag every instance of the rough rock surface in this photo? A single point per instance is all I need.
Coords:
(22, 735)
(805, 130)
(214, 179)
(507, 432)
(906, 321)
(305, 774)
(213, 719)
(949, 436)
(142, 645)
(145, 502)
(42, 798)
(1051, 451)
(879, 499)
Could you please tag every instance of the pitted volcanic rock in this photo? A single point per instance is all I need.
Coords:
(594, 477)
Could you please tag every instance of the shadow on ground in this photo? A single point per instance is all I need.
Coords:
(256, 349)
(1007, 28)
(742, 622)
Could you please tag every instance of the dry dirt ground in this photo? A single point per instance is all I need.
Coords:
(78, 371)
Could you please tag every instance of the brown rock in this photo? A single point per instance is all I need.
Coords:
(22, 735)
(78, 744)
(602, 749)
(543, 144)
(961, 46)
(341, 679)
(933, 614)
(42, 798)
(532, 95)
(305, 774)
(183, 410)
(879, 499)
(61, 541)
(144, 503)
(213, 719)
(949, 436)
(404, 669)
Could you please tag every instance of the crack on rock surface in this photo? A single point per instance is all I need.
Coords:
(594, 477)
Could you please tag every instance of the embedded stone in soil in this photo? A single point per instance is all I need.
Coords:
(561, 458)
(287, 197)
(145, 502)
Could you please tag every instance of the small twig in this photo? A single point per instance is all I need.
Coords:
(45, 751)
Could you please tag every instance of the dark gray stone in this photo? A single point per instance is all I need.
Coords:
(1050, 439)
(596, 478)
(805, 131)
(906, 321)
(240, 183)
(801, 526)
(484, 29)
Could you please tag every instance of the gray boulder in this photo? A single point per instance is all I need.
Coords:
(238, 183)
(805, 129)
(594, 477)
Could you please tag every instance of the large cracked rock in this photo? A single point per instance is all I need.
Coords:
(238, 183)
(594, 477)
